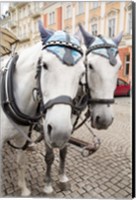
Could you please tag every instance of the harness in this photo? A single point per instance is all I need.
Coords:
(78, 104)
(9, 104)
(86, 98)
(8, 100)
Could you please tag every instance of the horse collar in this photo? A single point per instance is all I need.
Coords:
(8, 100)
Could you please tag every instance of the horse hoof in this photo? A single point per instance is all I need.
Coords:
(26, 192)
(31, 147)
(48, 189)
(63, 178)
(64, 186)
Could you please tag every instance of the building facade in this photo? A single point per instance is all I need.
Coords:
(97, 17)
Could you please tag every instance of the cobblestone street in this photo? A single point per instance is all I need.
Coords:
(105, 174)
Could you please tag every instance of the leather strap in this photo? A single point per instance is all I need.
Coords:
(58, 100)
(9, 104)
(101, 101)
(64, 44)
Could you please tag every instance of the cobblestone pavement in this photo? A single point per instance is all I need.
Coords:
(105, 174)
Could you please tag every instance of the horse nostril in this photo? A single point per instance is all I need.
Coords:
(49, 129)
(97, 119)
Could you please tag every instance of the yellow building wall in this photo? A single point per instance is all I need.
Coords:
(80, 19)
(114, 6)
(110, 6)
(68, 23)
(94, 13)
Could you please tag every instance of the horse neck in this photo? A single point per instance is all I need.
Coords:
(24, 79)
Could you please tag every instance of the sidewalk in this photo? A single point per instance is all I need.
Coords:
(105, 174)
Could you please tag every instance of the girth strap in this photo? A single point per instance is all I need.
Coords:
(58, 100)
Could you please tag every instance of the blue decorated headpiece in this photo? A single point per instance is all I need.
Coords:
(103, 51)
(67, 53)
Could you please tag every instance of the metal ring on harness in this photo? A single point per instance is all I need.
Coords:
(91, 148)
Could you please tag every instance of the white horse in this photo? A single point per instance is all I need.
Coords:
(102, 66)
(61, 67)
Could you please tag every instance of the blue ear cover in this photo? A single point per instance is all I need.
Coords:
(118, 39)
(88, 38)
(45, 34)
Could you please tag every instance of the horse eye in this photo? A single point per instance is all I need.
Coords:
(90, 66)
(45, 66)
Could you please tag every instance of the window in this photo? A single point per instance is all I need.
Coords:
(128, 9)
(130, 23)
(24, 30)
(109, 2)
(94, 29)
(35, 26)
(95, 4)
(24, 12)
(111, 27)
(68, 12)
(52, 18)
(127, 64)
(80, 7)
(36, 6)
(29, 8)
(20, 13)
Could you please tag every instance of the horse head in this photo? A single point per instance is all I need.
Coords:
(62, 68)
(102, 65)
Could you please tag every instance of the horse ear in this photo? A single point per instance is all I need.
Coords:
(45, 34)
(118, 38)
(78, 35)
(88, 38)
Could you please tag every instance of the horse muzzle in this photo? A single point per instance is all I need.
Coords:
(101, 122)
(57, 137)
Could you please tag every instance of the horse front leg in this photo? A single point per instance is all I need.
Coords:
(49, 158)
(22, 160)
(22, 166)
(62, 175)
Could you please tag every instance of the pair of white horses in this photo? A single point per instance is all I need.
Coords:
(59, 78)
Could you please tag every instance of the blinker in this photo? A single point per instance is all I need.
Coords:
(112, 58)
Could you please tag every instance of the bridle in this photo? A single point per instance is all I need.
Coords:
(9, 104)
(77, 108)
(86, 99)
(63, 99)
(112, 61)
